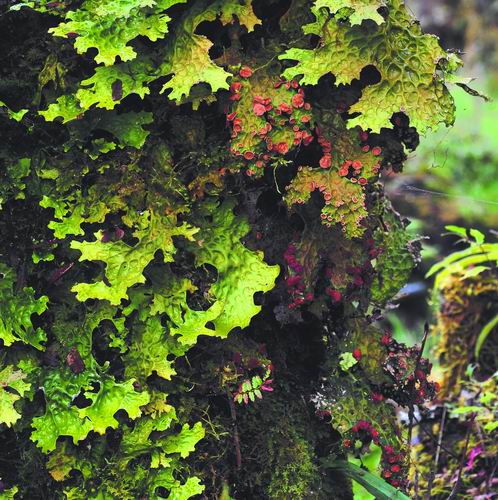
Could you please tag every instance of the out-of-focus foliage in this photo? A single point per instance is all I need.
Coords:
(466, 288)
(459, 164)
(466, 300)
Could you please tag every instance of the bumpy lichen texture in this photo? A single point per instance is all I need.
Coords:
(16, 311)
(110, 26)
(396, 260)
(125, 263)
(406, 60)
(268, 118)
(13, 388)
(344, 201)
(241, 273)
(195, 239)
(355, 11)
(187, 56)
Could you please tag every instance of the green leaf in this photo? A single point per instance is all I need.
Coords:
(256, 382)
(110, 398)
(477, 235)
(491, 426)
(464, 410)
(12, 389)
(461, 231)
(473, 271)
(488, 397)
(409, 82)
(16, 310)
(125, 263)
(460, 261)
(186, 56)
(374, 484)
(371, 461)
(483, 335)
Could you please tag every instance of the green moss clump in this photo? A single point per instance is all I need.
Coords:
(294, 473)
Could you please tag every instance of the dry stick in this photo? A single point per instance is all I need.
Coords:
(236, 439)
(455, 489)
(438, 450)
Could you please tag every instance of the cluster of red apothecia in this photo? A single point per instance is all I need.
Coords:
(359, 275)
(292, 116)
(246, 363)
(326, 145)
(362, 431)
(294, 282)
(349, 168)
(392, 463)
(353, 168)
(411, 383)
(393, 467)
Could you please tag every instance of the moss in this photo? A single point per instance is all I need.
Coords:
(465, 307)
(294, 474)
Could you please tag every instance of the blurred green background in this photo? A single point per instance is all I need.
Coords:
(452, 177)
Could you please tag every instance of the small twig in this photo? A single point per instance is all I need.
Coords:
(489, 481)
(456, 487)
(422, 347)
(440, 437)
(411, 409)
(236, 439)
(275, 179)
(438, 451)
(429, 435)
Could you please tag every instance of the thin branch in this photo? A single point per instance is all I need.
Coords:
(236, 439)
(429, 435)
(489, 481)
(456, 487)
(411, 410)
(438, 451)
